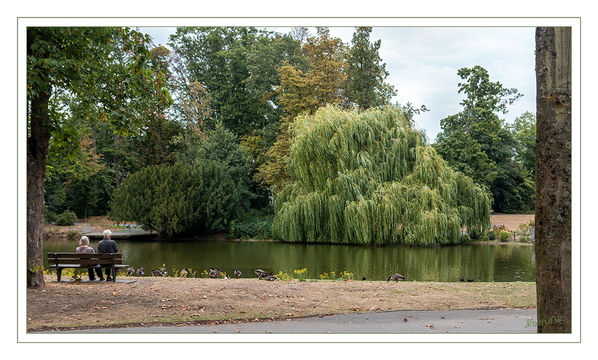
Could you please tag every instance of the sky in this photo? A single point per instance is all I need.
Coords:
(423, 61)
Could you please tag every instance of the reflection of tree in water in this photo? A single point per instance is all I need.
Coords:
(481, 262)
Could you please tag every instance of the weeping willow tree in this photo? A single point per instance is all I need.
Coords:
(370, 178)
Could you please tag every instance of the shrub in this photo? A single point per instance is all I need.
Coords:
(66, 218)
(496, 230)
(527, 226)
(179, 199)
(252, 226)
(504, 236)
(49, 216)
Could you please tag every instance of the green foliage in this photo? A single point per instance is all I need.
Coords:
(304, 91)
(221, 146)
(49, 216)
(253, 225)
(369, 178)
(66, 218)
(495, 231)
(238, 68)
(477, 142)
(179, 199)
(504, 235)
(524, 131)
(366, 72)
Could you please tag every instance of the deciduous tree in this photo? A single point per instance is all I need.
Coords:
(105, 74)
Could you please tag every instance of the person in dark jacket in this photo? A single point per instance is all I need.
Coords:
(108, 246)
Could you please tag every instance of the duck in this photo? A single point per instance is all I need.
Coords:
(130, 270)
(462, 278)
(396, 277)
(226, 277)
(164, 272)
(269, 277)
(156, 273)
(184, 272)
(238, 273)
(140, 271)
(214, 273)
(363, 278)
(470, 280)
(260, 273)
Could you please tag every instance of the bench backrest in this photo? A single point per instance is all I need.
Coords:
(85, 259)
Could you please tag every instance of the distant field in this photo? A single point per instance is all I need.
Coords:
(511, 221)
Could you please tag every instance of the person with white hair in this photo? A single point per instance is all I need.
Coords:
(84, 248)
(108, 246)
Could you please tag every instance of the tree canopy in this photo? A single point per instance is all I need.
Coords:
(478, 143)
(76, 78)
(366, 73)
(370, 178)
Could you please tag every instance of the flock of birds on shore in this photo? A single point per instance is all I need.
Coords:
(261, 274)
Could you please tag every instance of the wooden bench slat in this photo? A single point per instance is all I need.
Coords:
(84, 266)
(86, 261)
(83, 256)
(61, 261)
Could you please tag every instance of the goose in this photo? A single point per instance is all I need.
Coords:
(238, 273)
(184, 272)
(396, 277)
(140, 271)
(214, 273)
(130, 270)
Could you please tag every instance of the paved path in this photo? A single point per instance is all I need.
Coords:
(392, 322)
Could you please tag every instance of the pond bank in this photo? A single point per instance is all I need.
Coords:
(501, 243)
(190, 301)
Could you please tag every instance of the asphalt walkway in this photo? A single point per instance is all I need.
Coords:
(393, 322)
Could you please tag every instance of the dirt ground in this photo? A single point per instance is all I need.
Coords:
(511, 221)
(97, 223)
(151, 301)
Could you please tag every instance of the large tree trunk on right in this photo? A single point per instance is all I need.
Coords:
(553, 179)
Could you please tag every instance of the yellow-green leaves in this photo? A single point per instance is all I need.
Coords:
(369, 178)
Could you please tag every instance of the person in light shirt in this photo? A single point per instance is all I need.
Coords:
(84, 248)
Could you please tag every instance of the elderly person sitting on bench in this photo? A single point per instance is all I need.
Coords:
(108, 246)
(84, 248)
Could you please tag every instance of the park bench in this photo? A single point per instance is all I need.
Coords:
(61, 261)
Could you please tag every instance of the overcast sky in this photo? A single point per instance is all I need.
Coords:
(423, 64)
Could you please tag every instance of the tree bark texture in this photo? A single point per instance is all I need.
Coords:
(37, 151)
(553, 179)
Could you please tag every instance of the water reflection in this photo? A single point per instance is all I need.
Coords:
(481, 262)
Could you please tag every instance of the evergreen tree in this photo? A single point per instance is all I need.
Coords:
(366, 72)
(179, 199)
(221, 146)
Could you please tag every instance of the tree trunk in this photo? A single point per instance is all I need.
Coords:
(37, 151)
(553, 179)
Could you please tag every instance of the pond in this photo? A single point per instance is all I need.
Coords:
(480, 262)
